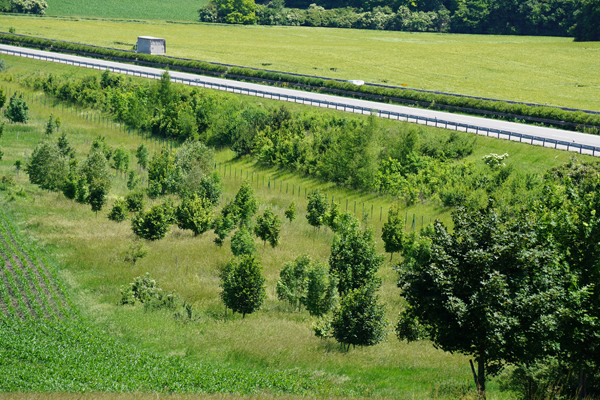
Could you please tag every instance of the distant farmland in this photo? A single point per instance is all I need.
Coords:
(549, 70)
(182, 10)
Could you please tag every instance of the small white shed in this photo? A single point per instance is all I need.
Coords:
(151, 45)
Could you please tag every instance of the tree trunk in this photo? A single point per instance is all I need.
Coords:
(581, 388)
(481, 375)
(391, 256)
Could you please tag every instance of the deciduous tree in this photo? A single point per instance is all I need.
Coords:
(243, 285)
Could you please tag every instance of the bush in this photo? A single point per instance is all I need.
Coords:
(242, 243)
(146, 290)
(135, 201)
(151, 225)
(118, 212)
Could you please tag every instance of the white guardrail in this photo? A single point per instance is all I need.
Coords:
(439, 123)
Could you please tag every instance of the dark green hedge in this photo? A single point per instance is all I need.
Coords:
(500, 107)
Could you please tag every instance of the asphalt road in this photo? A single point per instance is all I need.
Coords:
(534, 134)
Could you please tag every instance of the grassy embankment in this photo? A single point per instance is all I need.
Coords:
(504, 67)
(88, 253)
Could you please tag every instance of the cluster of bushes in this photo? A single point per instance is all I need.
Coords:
(547, 18)
(411, 162)
(503, 109)
(24, 6)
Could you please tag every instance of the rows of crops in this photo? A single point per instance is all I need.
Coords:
(46, 345)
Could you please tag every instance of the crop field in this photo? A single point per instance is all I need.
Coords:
(270, 352)
(504, 67)
(180, 10)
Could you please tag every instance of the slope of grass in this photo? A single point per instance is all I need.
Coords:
(182, 10)
(88, 254)
(549, 70)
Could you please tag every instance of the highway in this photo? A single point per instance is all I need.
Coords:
(549, 137)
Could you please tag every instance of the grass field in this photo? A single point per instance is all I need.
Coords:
(549, 70)
(180, 10)
(87, 252)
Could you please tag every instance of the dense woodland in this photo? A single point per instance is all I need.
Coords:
(547, 18)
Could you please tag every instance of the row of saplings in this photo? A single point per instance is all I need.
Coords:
(353, 264)
(343, 294)
(358, 318)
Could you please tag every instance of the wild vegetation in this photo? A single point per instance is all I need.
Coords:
(122, 296)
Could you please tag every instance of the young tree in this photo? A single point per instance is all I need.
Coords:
(242, 243)
(493, 288)
(47, 167)
(151, 225)
(132, 180)
(121, 159)
(321, 290)
(223, 225)
(354, 259)
(393, 231)
(118, 212)
(245, 204)
(50, 126)
(316, 209)
(98, 193)
(65, 147)
(290, 213)
(267, 228)
(17, 109)
(243, 285)
(96, 166)
(360, 320)
(142, 154)
(331, 218)
(195, 213)
(291, 286)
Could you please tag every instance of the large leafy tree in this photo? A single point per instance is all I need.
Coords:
(243, 285)
(321, 290)
(494, 288)
(586, 26)
(571, 215)
(235, 11)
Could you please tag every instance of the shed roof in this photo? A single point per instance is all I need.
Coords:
(150, 37)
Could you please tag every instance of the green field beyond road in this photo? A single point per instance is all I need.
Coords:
(549, 70)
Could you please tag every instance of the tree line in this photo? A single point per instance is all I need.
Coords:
(500, 17)
(410, 162)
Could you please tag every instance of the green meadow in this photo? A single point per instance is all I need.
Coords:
(87, 254)
(180, 10)
(551, 70)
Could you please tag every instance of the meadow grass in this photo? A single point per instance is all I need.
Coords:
(551, 70)
(88, 250)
